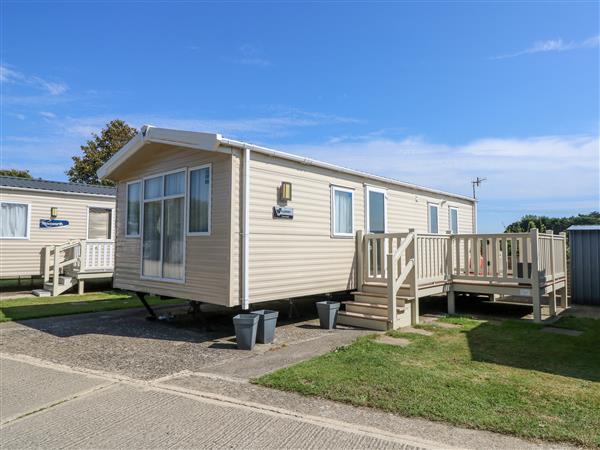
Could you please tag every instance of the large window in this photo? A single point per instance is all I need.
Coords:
(134, 199)
(433, 221)
(199, 201)
(163, 234)
(453, 219)
(99, 223)
(14, 220)
(342, 211)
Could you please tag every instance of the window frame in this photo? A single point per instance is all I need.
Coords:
(141, 200)
(112, 222)
(162, 199)
(333, 189)
(437, 209)
(450, 209)
(188, 200)
(27, 228)
(369, 188)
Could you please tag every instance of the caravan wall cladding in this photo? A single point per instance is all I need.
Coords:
(294, 257)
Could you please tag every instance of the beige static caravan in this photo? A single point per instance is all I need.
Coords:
(63, 232)
(210, 219)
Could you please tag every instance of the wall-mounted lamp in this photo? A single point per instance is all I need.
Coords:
(53, 212)
(285, 191)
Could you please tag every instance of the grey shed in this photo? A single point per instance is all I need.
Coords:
(584, 242)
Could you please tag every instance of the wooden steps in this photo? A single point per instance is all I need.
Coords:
(369, 309)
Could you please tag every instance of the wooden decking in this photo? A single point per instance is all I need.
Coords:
(73, 262)
(402, 267)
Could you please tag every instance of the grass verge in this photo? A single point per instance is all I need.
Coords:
(34, 307)
(509, 378)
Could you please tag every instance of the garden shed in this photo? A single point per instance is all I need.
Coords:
(584, 242)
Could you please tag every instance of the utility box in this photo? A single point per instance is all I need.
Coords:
(584, 245)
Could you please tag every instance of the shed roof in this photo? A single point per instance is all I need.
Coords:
(56, 186)
(584, 228)
(217, 143)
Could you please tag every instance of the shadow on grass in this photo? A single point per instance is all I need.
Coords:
(523, 345)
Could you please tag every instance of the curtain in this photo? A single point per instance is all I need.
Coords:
(133, 209)
(343, 212)
(173, 239)
(174, 183)
(13, 220)
(151, 244)
(153, 188)
(199, 200)
(99, 221)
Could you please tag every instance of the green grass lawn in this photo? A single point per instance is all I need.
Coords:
(32, 307)
(508, 377)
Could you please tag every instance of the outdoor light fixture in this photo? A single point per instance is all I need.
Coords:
(285, 191)
(53, 211)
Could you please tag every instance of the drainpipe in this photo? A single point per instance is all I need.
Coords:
(246, 232)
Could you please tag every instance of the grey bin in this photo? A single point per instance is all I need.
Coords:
(245, 330)
(328, 312)
(267, 320)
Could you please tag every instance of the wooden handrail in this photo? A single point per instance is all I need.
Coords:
(395, 280)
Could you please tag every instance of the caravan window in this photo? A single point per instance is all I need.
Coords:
(199, 201)
(134, 198)
(14, 220)
(433, 218)
(342, 211)
(454, 220)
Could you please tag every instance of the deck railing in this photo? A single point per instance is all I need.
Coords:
(533, 258)
(80, 255)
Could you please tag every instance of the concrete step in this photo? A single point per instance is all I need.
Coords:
(373, 309)
(362, 320)
(41, 293)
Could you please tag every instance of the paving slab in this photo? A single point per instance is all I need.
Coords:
(416, 331)
(134, 417)
(25, 388)
(400, 342)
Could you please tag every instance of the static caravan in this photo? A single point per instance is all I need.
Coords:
(215, 220)
(63, 232)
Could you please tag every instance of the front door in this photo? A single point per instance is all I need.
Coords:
(375, 214)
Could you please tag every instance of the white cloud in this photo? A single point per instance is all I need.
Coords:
(11, 76)
(554, 45)
(251, 56)
(48, 115)
(526, 173)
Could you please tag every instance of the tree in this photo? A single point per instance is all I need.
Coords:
(98, 150)
(15, 173)
(556, 224)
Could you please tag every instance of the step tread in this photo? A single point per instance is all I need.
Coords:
(370, 305)
(379, 295)
(363, 316)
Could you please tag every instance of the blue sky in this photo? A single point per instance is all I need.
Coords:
(430, 93)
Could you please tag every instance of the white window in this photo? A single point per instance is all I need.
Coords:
(342, 211)
(432, 218)
(99, 224)
(163, 246)
(134, 199)
(376, 210)
(453, 220)
(199, 201)
(14, 220)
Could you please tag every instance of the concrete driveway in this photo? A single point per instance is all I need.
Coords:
(115, 380)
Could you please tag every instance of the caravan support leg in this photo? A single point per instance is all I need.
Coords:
(142, 297)
(292, 310)
(451, 301)
(80, 287)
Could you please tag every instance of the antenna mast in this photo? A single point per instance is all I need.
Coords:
(477, 183)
